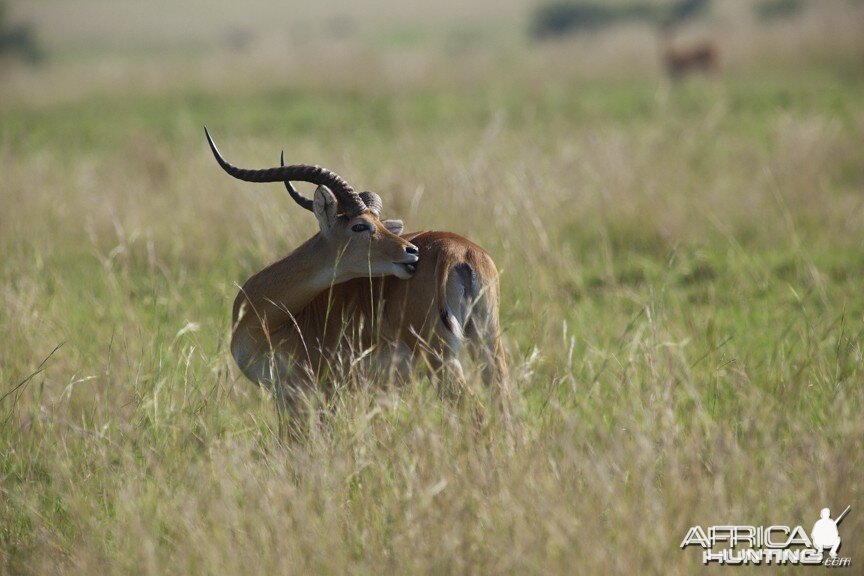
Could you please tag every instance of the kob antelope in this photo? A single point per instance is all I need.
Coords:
(357, 285)
(683, 60)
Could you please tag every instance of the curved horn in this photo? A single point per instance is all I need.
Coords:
(348, 199)
(373, 202)
(304, 202)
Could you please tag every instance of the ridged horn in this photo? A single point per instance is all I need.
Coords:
(349, 201)
(373, 202)
(304, 202)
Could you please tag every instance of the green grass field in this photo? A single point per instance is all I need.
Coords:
(683, 309)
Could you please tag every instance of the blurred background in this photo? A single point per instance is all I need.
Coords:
(124, 47)
(673, 191)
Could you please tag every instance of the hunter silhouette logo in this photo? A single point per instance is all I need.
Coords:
(825, 533)
(772, 545)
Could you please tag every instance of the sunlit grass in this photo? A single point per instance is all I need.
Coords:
(682, 280)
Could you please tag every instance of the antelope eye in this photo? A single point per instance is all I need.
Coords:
(360, 228)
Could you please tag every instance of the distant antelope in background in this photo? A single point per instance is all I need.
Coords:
(357, 285)
(702, 56)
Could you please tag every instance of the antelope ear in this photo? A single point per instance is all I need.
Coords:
(325, 208)
(394, 226)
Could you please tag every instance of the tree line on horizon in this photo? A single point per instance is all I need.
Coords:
(562, 17)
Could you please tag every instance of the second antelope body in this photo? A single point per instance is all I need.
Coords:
(359, 284)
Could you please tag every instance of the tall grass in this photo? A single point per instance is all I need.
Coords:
(682, 275)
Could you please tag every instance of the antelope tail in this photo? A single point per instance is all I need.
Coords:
(451, 322)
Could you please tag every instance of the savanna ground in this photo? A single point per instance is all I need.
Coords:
(682, 275)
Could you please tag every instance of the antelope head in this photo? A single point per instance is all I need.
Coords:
(351, 230)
